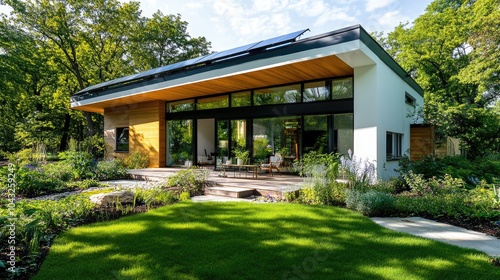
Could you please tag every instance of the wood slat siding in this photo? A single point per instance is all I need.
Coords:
(319, 68)
(146, 122)
(112, 120)
(421, 141)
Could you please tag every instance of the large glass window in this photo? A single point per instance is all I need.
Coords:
(276, 136)
(212, 102)
(122, 142)
(343, 133)
(179, 141)
(241, 99)
(277, 95)
(222, 142)
(180, 106)
(342, 88)
(316, 134)
(316, 91)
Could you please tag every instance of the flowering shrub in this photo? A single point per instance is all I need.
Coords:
(360, 173)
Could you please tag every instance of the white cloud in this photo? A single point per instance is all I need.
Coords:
(372, 5)
(391, 19)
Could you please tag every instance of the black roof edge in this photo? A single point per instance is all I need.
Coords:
(376, 48)
(345, 34)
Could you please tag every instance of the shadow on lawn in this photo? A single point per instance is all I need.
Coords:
(254, 241)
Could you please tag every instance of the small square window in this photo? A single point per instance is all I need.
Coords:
(394, 145)
(122, 143)
(409, 99)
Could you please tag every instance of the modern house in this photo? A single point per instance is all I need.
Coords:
(332, 92)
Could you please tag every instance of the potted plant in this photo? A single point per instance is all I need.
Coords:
(241, 156)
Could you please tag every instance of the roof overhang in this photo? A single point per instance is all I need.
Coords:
(334, 54)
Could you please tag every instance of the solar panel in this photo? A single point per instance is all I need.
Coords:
(202, 59)
(278, 40)
(227, 53)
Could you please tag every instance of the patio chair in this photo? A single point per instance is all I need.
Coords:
(274, 163)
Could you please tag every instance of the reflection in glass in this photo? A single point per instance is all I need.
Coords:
(241, 99)
(342, 88)
(276, 135)
(316, 134)
(212, 102)
(316, 91)
(343, 126)
(179, 140)
(180, 106)
(277, 95)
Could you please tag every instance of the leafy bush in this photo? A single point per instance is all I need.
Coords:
(155, 197)
(316, 192)
(110, 170)
(61, 170)
(137, 160)
(184, 196)
(394, 185)
(370, 203)
(421, 186)
(452, 205)
(32, 181)
(314, 164)
(82, 164)
(471, 172)
(191, 180)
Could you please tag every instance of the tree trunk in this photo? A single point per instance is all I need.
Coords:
(65, 133)
(90, 123)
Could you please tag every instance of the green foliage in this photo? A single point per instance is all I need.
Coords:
(359, 173)
(81, 163)
(137, 160)
(155, 197)
(184, 196)
(314, 164)
(451, 205)
(317, 192)
(32, 181)
(242, 154)
(191, 180)
(61, 170)
(110, 170)
(421, 186)
(471, 172)
(450, 50)
(370, 203)
(260, 149)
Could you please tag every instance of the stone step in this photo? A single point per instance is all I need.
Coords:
(229, 191)
(259, 190)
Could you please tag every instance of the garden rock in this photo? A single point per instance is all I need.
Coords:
(104, 199)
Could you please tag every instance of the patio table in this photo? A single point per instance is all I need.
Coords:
(246, 167)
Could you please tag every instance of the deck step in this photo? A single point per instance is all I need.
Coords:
(229, 191)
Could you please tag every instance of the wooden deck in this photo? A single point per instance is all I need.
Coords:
(264, 184)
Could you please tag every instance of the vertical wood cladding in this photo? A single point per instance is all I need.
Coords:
(146, 122)
(421, 141)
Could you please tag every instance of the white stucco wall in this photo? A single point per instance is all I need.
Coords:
(379, 107)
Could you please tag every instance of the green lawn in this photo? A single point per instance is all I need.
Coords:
(254, 241)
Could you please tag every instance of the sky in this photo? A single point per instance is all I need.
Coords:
(231, 23)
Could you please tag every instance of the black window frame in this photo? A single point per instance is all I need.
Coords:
(394, 145)
(118, 133)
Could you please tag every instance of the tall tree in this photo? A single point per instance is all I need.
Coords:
(435, 50)
(166, 42)
(91, 41)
